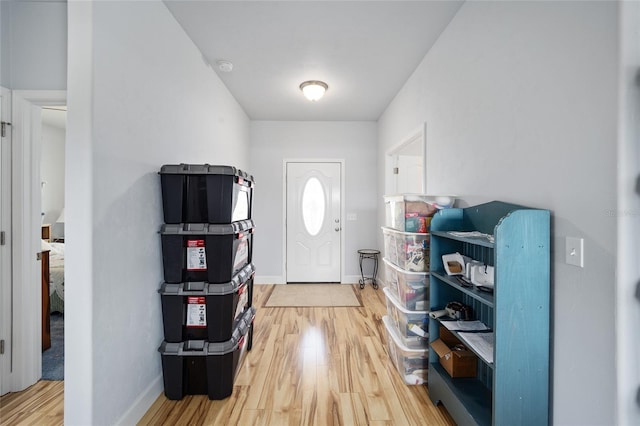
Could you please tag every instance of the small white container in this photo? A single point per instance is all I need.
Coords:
(413, 212)
(412, 326)
(412, 364)
(455, 263)
(408, 250)
(413, 288)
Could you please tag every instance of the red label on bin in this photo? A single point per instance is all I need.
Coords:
(196, 312)
(196, 255)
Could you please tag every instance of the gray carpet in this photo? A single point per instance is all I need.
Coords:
(53, 358)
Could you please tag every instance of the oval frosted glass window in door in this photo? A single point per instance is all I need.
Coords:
(313, 206)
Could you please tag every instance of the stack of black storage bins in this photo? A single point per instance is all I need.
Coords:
(207, 244)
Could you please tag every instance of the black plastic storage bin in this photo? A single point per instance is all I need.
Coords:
(201, 193)
(197, 367)
(203, 311)
(205, 252)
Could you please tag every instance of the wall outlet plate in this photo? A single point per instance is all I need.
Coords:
(574, 251)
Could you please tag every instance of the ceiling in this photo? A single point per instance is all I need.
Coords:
(364, 50)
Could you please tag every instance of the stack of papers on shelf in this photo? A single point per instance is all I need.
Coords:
(464, 325)
(482, 343)
(472, 234)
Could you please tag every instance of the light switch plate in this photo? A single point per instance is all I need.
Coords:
(574, 251)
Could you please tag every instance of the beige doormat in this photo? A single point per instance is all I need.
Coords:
(312, 295)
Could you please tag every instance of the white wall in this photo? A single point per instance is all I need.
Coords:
(271, 143)
(520, 104)
(628, 213)
(5, 71)
(139, 96)
(52, 172)
(34, 45)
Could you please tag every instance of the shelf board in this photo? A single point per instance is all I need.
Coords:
(479, 241)
(482, 296)
(470, 392)
(462, 340)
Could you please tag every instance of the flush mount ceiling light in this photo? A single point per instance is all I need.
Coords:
(313, 89)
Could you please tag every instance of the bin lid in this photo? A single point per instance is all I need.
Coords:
(189, 347)
(391, 331)
(203, 348)
(393, 299)
(438, 201)
(387, 230)
(240, 329)
(201, 288)
(204, 169)
(207, 228)
(402, 271)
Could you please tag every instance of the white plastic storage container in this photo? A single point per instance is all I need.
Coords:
(413, 212)
(411, 363)
(413, 288)
(390, 276)
(412, 326)
(390, 251)
(408, 250)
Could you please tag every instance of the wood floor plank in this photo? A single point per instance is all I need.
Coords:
(308, 366)
(40, 404)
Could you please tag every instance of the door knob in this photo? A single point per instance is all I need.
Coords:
(337, 229)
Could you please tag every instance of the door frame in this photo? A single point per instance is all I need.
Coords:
(285, 161)
(5, 250)
(420, 134)
(26, 342)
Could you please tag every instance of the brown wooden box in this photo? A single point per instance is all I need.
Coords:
(458, 363)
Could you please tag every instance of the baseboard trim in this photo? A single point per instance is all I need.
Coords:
(268, 279)
(141, 405)
(351, 279)
(275, 279)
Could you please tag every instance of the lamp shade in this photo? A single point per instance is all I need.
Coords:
(61, 217)
(313, 89)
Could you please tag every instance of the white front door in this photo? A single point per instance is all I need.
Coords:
(313, 224)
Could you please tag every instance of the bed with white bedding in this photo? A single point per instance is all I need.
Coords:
(56, 275)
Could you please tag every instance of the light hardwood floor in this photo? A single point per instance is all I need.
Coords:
(40, 404)
(308, 366)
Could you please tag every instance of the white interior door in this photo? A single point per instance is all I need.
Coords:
(405, 165)
(313, 223)
(5, 244)
(409, 174)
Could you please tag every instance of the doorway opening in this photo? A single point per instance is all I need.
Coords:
(24, 342)
(52, 166)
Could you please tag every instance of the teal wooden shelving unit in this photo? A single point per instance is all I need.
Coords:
(514, 389)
